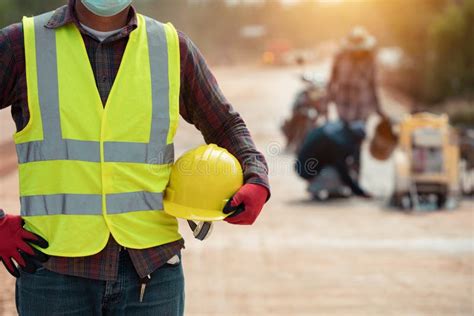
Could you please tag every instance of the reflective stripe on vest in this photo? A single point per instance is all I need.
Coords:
(89, 204)
(88, 170)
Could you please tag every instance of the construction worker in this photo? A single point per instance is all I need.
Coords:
(330, 146)
(96, 90)
(352, 86)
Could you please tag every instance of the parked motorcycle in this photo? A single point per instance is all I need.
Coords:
(305, 111)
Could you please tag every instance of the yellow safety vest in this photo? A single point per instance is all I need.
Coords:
(86, 170)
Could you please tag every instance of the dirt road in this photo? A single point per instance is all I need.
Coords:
(348, 257)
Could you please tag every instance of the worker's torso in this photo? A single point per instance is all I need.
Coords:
(87, 170)
(355, 95)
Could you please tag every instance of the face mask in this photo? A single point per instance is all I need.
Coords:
(106, 8)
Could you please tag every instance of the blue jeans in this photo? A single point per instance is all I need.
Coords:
(49, 293)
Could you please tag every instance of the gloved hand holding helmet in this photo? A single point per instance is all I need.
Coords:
(246, 205)
(206, 184)
(15, 244)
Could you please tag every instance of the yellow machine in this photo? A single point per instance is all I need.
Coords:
(427, 162)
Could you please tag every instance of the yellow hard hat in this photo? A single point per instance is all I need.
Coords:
(202, 181)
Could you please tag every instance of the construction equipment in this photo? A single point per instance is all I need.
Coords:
(427, 163)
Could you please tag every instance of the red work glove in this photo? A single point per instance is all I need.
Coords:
(246, 204)
(14, 245)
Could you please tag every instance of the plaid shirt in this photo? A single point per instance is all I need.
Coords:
(201, 103)
(353, 86)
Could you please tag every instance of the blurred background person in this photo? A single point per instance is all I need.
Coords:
(352, 86)
(334, 145)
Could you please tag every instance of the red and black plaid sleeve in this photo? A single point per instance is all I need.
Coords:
(203, 104)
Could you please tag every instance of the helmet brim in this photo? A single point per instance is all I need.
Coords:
(186, 212)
